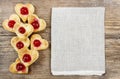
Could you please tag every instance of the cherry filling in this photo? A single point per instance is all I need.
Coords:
(26, 58)
(22, 30)
(20, 67)
(24, 11)
(11, 23)
(19, 45)
(35, 24)
(36, 43)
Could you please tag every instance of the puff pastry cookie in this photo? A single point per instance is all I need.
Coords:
(37, 43)
(20, 43)
(18, 67)
(28, 57)
(9, 24)
(23, 10)
(23, 30)
(38, 24)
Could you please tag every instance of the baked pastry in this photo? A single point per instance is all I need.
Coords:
(9, 24)
(30, 23)
(23, 30)
(20, 43)
(38, 24)
(18, 67)
(37, 43)
(27, 57)
(23, 10)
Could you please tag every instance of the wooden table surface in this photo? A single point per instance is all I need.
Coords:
(41, 68)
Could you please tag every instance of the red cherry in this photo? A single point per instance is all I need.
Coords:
(24, 11)
(26, 58)
(19, 45)
(22, 30)
(37, 43)
(35, 24)
(20, 67)
(11, 23)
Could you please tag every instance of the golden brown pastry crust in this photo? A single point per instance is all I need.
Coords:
(29, 29)
(30, 8)
(13, 69)
(25, 41)
(44, 43)
(33, 53)
(12, 17)
(41, 22)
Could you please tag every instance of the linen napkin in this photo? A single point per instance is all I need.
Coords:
(77, 41)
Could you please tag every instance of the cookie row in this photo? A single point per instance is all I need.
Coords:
(26, 46)
(34, 24)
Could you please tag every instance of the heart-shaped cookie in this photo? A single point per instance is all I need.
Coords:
(23, 10)
(38, 24)
(23, 30)
(18, 67)
(27, 57)
(37, 43)
(20, 43)
(9, 24)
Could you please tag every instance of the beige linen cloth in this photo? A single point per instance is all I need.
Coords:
(77, 41)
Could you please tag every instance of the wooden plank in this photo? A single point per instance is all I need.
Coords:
(112, 31)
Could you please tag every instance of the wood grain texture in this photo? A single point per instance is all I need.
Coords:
(41, 68)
